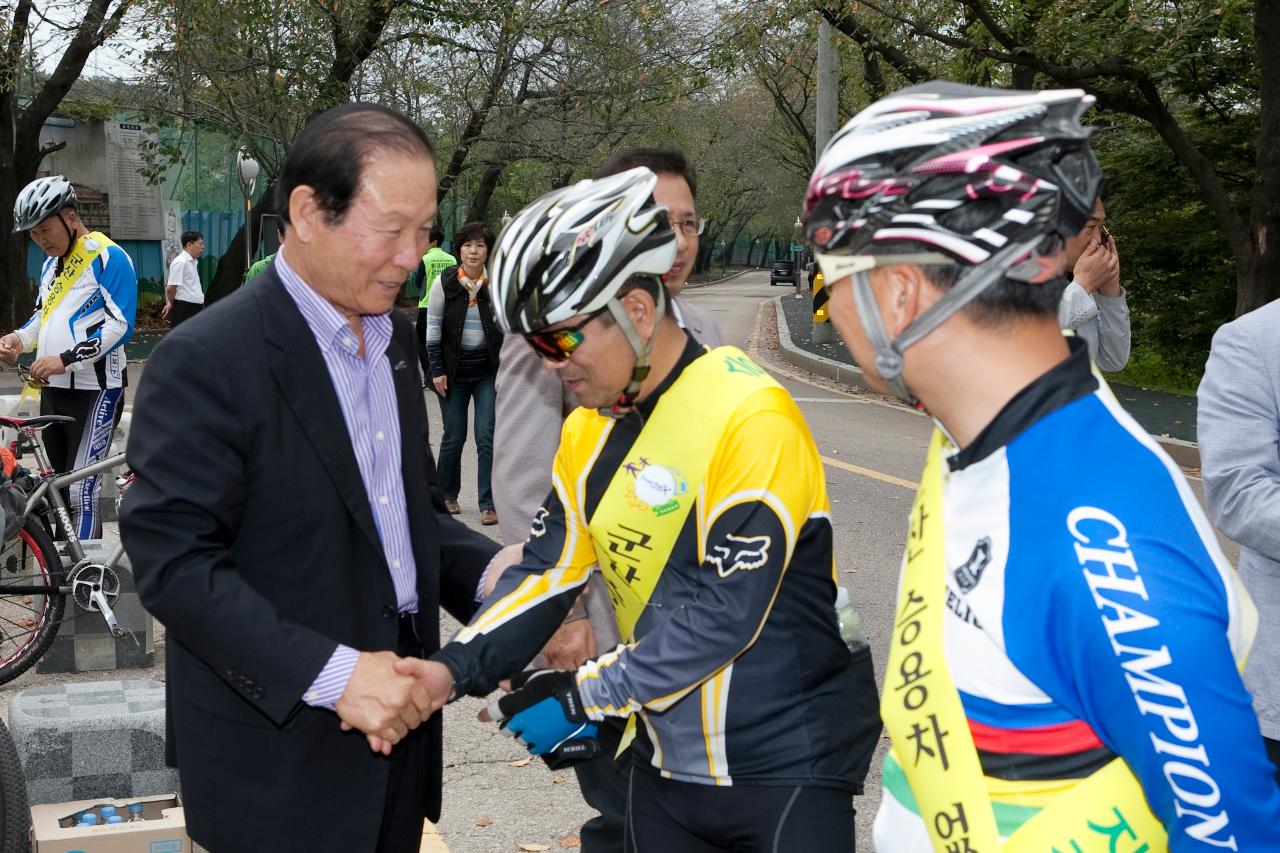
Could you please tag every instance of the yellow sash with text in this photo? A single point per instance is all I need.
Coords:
(645, 506)
(931, 739)
(84, 253)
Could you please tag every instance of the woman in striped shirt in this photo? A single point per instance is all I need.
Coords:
(462, 351)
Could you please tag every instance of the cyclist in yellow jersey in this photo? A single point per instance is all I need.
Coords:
(690, 479)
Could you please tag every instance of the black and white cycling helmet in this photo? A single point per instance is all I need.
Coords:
(990, 179)
(41, 199)
(569, 253)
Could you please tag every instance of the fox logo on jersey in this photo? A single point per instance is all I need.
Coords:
(538, 527)
(741, 552)
(86, 349)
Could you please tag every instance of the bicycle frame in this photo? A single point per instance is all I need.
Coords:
(89, 593)
(50, 489)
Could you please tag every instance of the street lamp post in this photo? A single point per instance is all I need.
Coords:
(247, 173)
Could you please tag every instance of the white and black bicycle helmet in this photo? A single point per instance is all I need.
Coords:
(41, 199)
(990, 179)
(571, 251)
(568, 252)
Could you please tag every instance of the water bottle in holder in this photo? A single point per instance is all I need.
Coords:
(850, 622)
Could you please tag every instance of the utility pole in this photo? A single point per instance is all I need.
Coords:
(828, 87)
(828, 114)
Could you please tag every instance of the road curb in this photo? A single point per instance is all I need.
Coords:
(693, 286)
(819, 364)
(1185, 453)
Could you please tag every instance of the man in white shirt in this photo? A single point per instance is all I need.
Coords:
(183, 295)
(1093, 305)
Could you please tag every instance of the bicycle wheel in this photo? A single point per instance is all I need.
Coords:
(15, 812)
(28, 622)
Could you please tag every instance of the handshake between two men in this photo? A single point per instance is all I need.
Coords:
(388, 696)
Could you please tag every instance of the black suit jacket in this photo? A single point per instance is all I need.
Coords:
(253, 542)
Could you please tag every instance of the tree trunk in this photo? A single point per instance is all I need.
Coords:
(17, 298)
(1023, 78)
(13, 249)
(351, 49)
(1258, 282)
(231, 265)
(484, 193)
(871, 73)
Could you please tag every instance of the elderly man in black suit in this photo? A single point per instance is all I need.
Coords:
(286, 527)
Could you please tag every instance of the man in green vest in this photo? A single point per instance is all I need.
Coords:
(261, 265)
(434, 262)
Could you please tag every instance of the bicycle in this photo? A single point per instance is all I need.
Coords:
(35, 580)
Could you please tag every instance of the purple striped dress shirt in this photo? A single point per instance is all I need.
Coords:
(367, 397)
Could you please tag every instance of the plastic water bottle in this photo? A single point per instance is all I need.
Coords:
(115, 818)
(135, 813)
(88, 819)
(108, 812)
(850, 622)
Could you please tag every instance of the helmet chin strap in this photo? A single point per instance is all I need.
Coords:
(640, 347)
(71, 241)
(971, 283)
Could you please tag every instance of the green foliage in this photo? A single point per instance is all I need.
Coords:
(1175, 264)
(86, 108)
(1180, 201)
(1147, 368)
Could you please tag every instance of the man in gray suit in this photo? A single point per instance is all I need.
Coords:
(1239, 427)
(531, 406)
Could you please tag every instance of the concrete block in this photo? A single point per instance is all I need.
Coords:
(95, 739)
(84, 643)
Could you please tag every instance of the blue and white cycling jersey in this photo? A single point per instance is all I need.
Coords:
(91, 324)
(1090, 614)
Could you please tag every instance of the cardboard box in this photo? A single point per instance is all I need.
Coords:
(54, 827)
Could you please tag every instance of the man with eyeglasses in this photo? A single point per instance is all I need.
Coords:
(531, 405)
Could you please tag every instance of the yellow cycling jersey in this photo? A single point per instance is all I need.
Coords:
(736, 666)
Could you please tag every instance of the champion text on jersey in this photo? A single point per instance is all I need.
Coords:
(1116, 582)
